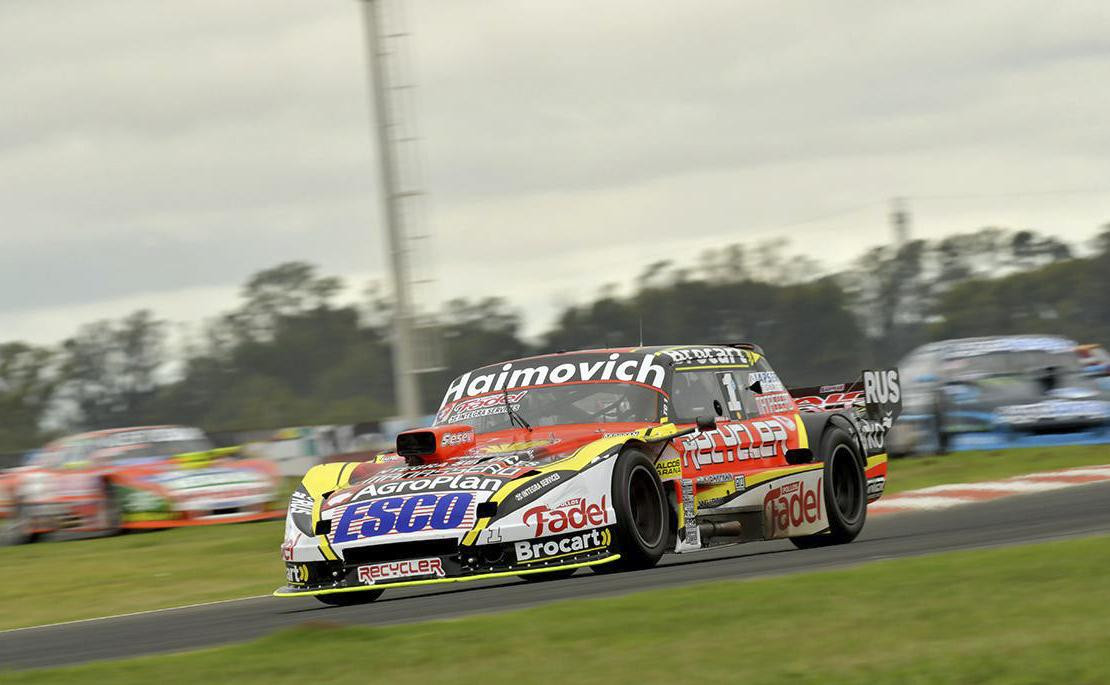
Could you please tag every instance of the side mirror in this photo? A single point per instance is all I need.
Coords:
(756, 387)
(706, 423)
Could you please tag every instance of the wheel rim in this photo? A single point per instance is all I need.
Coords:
(643, 501)
(846, 488)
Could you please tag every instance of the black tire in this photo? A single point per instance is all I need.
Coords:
(113, 509)
(349, 599)
(16, 529)
(549, 575)
(845, 486)
(641, 531)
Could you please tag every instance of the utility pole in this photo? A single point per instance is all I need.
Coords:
(407, 391)
(900, 220)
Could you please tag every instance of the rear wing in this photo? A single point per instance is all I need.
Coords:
(874, 401)
(878, 393)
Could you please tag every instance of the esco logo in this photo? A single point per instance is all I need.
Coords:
(403, 515)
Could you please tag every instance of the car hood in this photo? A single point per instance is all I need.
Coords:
(187, 481)
(393, 502)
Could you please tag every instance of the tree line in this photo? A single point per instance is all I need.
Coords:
(291, 354)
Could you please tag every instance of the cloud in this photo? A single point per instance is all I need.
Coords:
(153, 153)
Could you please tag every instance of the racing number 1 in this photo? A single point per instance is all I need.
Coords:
(732, 393)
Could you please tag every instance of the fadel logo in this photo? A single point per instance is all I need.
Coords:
(792, 505)
(575, 514)
(438, 511)
(590, 541)
(413, 568)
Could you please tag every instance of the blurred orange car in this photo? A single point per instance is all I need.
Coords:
(103, 482)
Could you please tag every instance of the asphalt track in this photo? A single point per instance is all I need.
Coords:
(1072, 512)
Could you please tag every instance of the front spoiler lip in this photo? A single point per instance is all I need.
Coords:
(286, 591)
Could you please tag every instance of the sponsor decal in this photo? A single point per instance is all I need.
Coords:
(881, 388)
(792, 505)
(300, 503)
(437, 484)
(733, 442)
(553, 548)
(669, 469)
(774, 403)
(472, 472)
(392, 515)
(689, 513)
(826, 389)
(574, 514)
(393, 570)
(876, 486)
(480, 406)
(452, 439)
(287, 550)
(533, 488)
(836, 400)
(709, 356)
(769, 381)
(296, 574)
(141, 437)
(616, 367)
(873, 433)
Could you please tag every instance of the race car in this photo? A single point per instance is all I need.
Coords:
(605, 459)
(103, 482)
(998, 392)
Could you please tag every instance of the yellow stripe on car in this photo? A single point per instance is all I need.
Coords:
(319, 480)
(440, 581)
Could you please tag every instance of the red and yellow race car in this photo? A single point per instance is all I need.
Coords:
(605, 459)
(102, 482)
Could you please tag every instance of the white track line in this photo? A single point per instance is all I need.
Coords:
(933, 498)
(133, 613)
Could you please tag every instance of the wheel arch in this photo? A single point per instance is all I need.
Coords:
(818, 423)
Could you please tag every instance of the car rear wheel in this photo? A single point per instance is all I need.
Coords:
(641, 509)
(350, 599)
(845, 486)
(111, 511)
(15, 529)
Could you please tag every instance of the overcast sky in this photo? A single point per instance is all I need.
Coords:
(156, 154)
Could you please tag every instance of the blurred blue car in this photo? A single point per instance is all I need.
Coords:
(998, 392)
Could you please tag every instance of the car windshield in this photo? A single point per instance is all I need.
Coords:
(1002, 363)
(556, 405)
(154, 450)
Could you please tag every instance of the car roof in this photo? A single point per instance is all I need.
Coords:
(103, 433)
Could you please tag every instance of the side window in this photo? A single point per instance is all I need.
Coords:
(761, 392)
(698, 393)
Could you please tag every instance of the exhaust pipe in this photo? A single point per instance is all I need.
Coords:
(721, 529)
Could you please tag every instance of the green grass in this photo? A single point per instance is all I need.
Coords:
(1034, 614)
(913, 473)
(61, 581)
